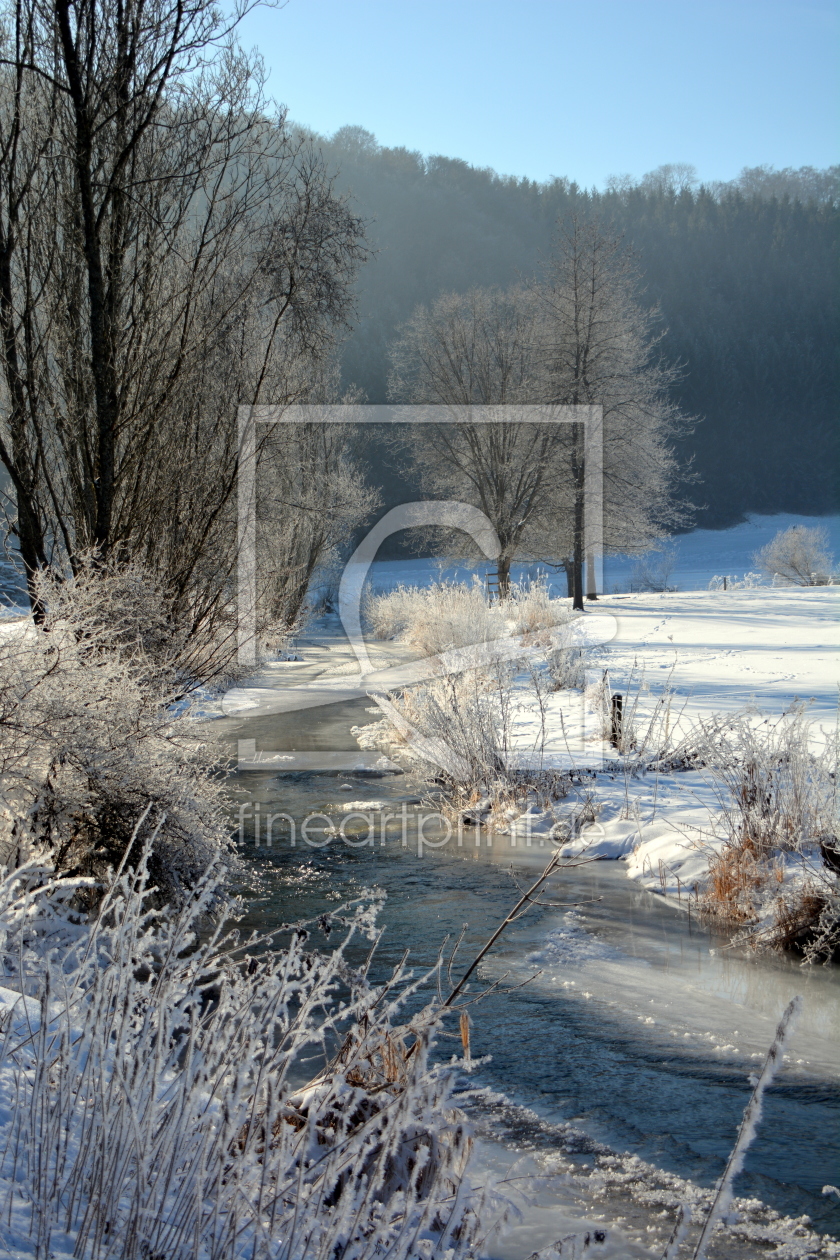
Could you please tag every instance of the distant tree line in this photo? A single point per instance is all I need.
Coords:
(743, 273)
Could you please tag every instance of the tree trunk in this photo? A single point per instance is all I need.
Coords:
(577, 584)
(591, 592)
(18, 461)
(100, 327)
(504, 576)
(577, 543)
(569, 566)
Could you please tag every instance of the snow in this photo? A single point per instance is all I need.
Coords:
(719, 653)
(24, 1012)
(668, 855)
(721, 650)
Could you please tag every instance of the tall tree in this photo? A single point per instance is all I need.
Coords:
(167, 251)
(577, 338)
(599, 345)
(478, 351)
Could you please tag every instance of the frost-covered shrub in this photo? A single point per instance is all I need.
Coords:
(797, 557)
(460, 722)
(805, 916)
(88, 745)
(167, 1091)
(447, 615)
(725, 582)
(779, 809)
(566, 662)
(463, 718)
(779, 795)
(434, 618)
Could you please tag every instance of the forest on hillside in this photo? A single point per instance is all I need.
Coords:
(744, 276)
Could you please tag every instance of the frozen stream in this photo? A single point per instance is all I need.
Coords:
(636, 1037)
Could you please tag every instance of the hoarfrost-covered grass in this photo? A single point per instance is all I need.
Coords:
(467, 718)
(445, 615)
(168, 1091)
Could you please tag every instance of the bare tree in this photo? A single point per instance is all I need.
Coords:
(167, 252)
(805, 184)
(670, 179)
(599, 346)
(479, 349)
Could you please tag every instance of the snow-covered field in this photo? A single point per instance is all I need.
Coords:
(702, 654)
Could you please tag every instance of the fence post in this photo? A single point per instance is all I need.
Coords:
(616, 720)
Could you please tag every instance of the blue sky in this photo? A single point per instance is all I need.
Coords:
(585, 88)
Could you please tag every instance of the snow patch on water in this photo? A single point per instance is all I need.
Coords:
(571, 944)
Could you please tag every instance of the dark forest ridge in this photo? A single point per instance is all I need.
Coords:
(744, 274)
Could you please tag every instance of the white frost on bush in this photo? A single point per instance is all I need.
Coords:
(156, 1096)
(89, 743)
(797, 556)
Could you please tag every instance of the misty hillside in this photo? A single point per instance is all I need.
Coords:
(744, 273)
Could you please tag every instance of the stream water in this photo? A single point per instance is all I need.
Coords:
(636, 1035)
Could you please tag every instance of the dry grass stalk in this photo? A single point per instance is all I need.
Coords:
(738, 882)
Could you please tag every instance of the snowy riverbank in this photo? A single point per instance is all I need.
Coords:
(678, 659)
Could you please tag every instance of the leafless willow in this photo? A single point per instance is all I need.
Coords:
(168, 251)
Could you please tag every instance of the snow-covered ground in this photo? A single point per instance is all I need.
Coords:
(701, 655)
(721, 650)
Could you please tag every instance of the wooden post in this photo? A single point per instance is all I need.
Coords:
(616, 703)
